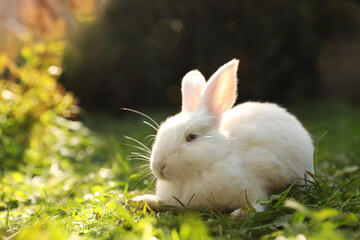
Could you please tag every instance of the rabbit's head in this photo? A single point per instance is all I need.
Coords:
(188, 143)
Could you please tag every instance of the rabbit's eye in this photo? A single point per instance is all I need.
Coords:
(191, 137)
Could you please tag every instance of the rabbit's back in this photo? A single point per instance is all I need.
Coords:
(272, 143)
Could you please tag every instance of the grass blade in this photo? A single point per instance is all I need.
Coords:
(315, 150)
(191, 198)
(183, 205)
(7, 218)
(351, 180)
(285, 193)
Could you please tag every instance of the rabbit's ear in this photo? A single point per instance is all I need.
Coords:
(192, 86)
(220, 91)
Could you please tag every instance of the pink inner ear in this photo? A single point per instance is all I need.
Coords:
(220, 91)
(192, 86)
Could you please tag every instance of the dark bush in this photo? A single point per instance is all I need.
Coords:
(138, 51)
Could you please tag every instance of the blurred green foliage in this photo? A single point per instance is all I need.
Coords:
(34, 108)
(62, 202)
(138, 51)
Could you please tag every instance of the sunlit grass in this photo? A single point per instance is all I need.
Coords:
(91, 198)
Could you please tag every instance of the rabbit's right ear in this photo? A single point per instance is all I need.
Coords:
(191, 88)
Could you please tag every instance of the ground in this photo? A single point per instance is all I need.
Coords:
(90, 198)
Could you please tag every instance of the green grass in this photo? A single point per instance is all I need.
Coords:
(91, 198)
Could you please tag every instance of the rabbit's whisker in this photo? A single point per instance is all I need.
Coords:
(134, 157)
(137, 147)
(137, 159)
(150, 137)
(145, 176)
(142, 114)
(139, 143)
(144, 167)
(136, 154)
(149, 124)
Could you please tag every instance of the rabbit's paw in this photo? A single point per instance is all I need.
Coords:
(241, 212)
(259, 208)
(151, 200)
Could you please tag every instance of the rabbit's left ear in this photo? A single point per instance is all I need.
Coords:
(191, 88)
(220, 91)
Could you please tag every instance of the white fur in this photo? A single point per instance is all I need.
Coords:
(241, 154)
(192, 86)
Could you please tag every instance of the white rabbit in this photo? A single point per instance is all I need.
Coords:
(224, 157)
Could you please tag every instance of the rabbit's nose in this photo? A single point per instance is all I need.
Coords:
(162, 170)
(159, 169)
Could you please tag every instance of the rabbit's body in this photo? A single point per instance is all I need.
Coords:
(249, 161)
(277, 162)
(223, 157)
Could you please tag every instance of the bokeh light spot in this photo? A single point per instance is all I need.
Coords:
(166, 33)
